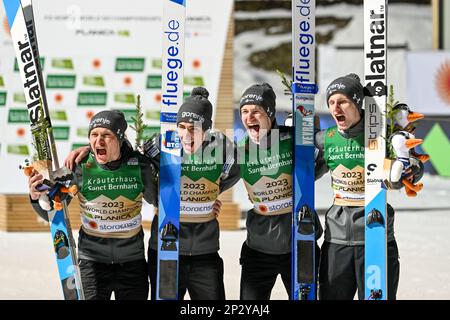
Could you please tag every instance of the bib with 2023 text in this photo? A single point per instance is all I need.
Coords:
(111, 201)
(345, 158)
(268, 179)
(199, 189)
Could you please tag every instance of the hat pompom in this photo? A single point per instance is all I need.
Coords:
(353, 76)
(200, 91)
(265, 84)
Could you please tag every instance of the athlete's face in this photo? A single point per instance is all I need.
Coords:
(344, 111)
(105, 145)
(191, 136)
(256, 121)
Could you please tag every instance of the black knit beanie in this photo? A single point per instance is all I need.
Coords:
(260, 95)
(197, 108)
(113, 120)
(351, 86)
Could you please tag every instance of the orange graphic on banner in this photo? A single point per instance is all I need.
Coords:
(21, 132)
(127, 81)
(89, 114)
(96, 63)
(196, 64)
(6, 26)
(443, 82)
(59, 97)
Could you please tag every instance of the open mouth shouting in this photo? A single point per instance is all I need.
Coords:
(101, 154)
(253, 128)
(254, 131)
(340, 120)
(256, 121)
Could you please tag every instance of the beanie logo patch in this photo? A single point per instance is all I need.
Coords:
(356, 98)
(251, 97)
(119, 134)
(335, 87)
(256, 98)
(100, 121)
(192, 115)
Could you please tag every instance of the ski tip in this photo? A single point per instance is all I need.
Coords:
(180, 2)
(11, 8)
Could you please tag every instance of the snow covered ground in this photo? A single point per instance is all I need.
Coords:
(28, 269)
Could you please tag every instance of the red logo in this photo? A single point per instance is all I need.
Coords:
(93, 224)
(263, 208)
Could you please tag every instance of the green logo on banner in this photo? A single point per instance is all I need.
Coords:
(41, 62)
(82, 132)
(195, 81)
(2, 98)
(157, 63)
(94, 81)
(185, 95)
(59, 115)
(437, 145)
(19, 97)
(61, 133)
(18, 149)
(125, 98)
(130, 64)
(123, 33)
(18, 116)
(62, 64)
(154, 81)
(2, 82)
(61, 81)
(92, 98)
(152, 115)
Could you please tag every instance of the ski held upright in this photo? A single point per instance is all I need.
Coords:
(174, 15)
(303, 89)
(375, 65)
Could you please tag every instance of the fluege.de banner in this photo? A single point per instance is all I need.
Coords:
(100, 55)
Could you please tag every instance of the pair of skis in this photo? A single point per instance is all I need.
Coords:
(23, 34)
(303, 230)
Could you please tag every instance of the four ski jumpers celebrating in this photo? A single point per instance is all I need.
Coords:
(111, 245)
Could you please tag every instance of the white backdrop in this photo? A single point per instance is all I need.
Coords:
(429, 82)
(96, 55)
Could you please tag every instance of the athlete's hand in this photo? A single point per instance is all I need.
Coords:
(75, 156)
(216, 207)
(34, 180)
